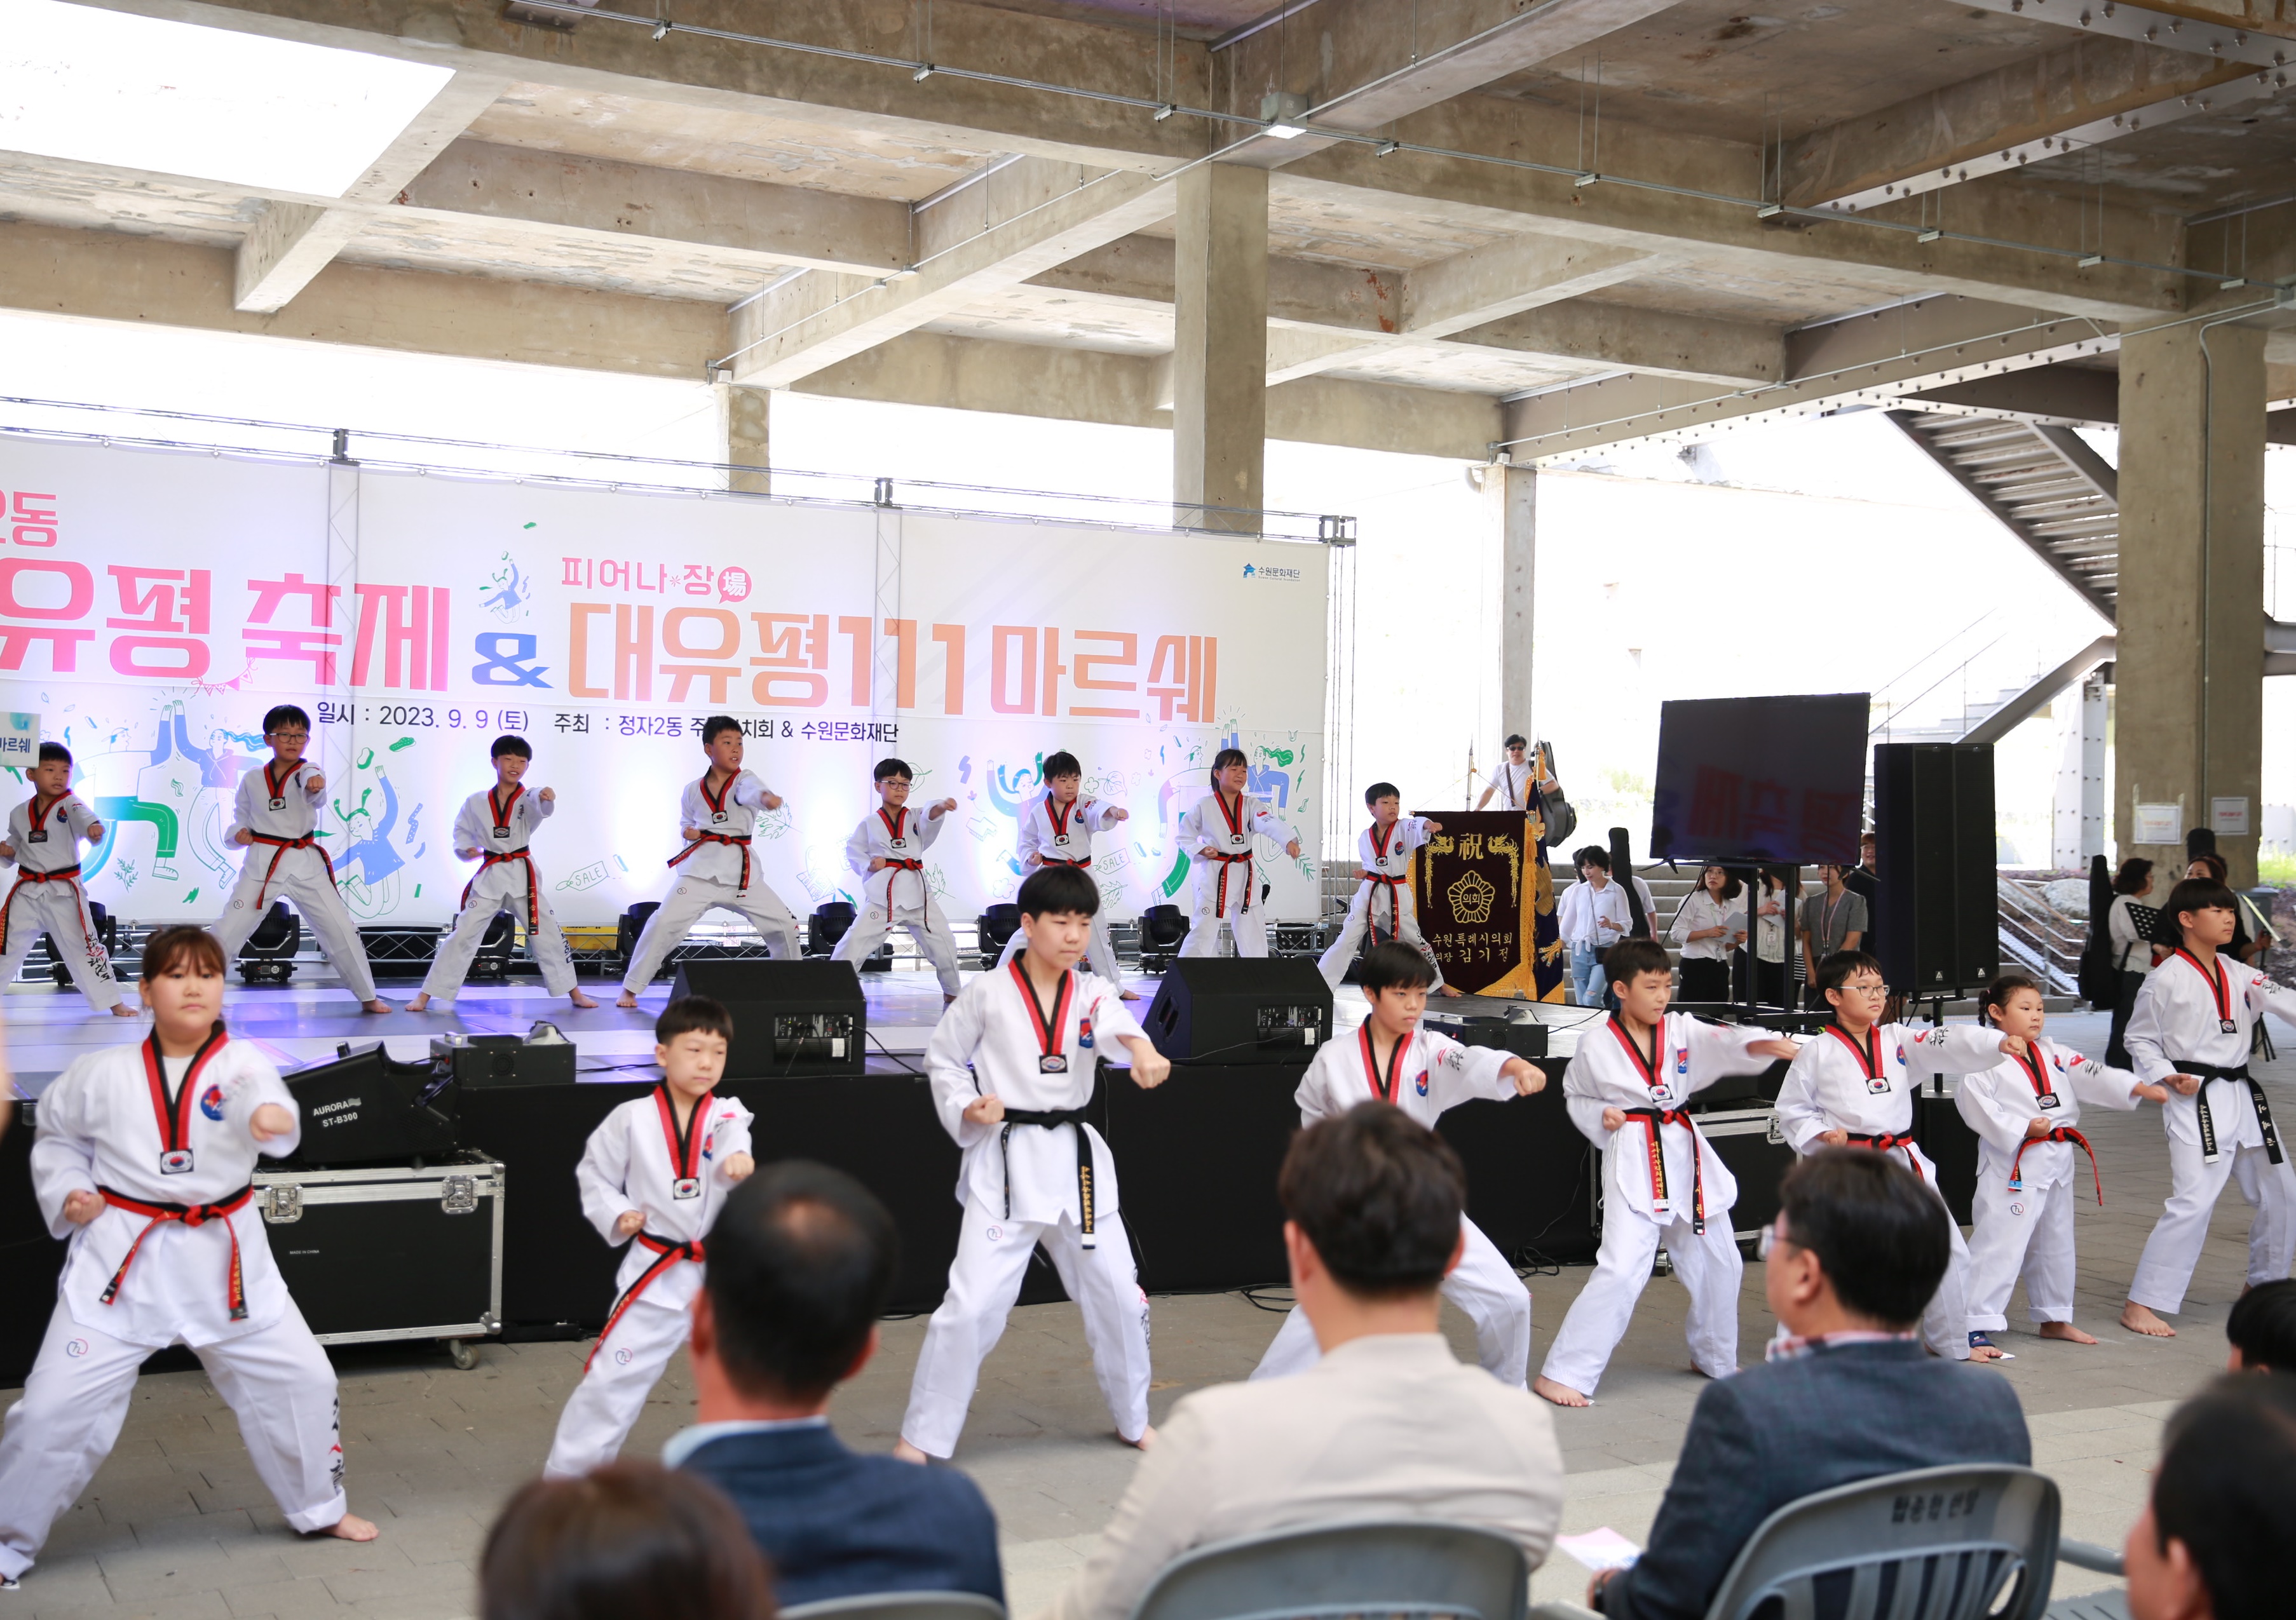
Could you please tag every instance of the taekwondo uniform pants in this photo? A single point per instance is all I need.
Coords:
(1101, 953)
(58, 908)
(689, 898)
(1483, 1284)
(2170, 1253)
(1709, 1267)
(315, 898)
(623, 1367)
(992, 1252)
(1246, 921)
(2027, 1232)
(490, 895)
(926, 925)
(1363, 913)
(276, 1381)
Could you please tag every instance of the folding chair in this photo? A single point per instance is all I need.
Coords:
(1371, 1570)
(901, 1606)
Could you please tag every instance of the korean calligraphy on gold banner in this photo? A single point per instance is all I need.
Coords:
(1486, 904)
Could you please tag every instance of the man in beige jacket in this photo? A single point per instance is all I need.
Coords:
(1386, 1426)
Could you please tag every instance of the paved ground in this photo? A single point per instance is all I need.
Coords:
(175, 1524)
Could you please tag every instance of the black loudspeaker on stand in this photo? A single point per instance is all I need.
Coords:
(1237, 1010)
(1934, 837)
(789, 1018)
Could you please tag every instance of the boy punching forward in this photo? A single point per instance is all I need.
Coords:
(1662, 1182)
(45, 833)
(1219, 833)
(1384, 850)
(1389, 1058)
(1011, 1066)
(887, 852)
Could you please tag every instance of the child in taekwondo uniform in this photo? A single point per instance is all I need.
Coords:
(1384, 850)
(43, 845)
(654, 1175)
(143, 1162)
(1057, 831)
(1389, 1058)
(887, 852)
(2026, 1112)
(717, 816)
(1853, 1084)
(494, 829)
(1218, 834)
(2190, 1031)
(275, 819)
(1662, 1182)
(1011, 1070)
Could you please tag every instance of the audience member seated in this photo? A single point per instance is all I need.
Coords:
(2262, 1328)
(1859, 1248)
(1386, 1426)
(631, 1541)
(2217, 1539)
(801, 1264)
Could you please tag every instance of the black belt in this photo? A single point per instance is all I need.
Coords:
(1050, 1118)
(2209, 1071)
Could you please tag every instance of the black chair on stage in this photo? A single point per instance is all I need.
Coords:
(107, 935)
(829, 923)
(1164, 929)
(491, 964)
(997, 925)
(267, 958)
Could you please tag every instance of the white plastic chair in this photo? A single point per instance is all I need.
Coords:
(900, 1606)
(1371, 1570)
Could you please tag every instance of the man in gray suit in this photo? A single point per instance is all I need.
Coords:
(1859, 1247)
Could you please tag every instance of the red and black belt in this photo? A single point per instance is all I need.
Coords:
(1652, 1118)
(158, 1214)
(491, 858)
(1887, 1141)
(740, 841)
(1395, 891)
(2059, 1134)
(1062, 860)
(1219, 903)
(280, 846)
(66, 874)
(666, 1254)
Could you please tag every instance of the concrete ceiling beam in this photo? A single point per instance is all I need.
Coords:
(2258, 32)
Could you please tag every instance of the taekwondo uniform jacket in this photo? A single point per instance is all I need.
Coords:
(726, 821)
(2179, 1022)
(1838, 1083)
(894, 835)
(1216, 825)
(1426, 1074)
(2000, 1102)
(47, 843)
(500, 832)
(282, 813)
(635, 1160)
(1061, 838)
(1386, 865)
(1605, 1073)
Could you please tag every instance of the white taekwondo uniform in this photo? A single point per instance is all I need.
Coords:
(1064, 838)
(177, 1254)
(1427, 1074)
(638, 1158)
(1227, 881)
(2190, 1022)
(897, 895)
(715, 871)
(1383, 854)
(47, 898)
(2026, 1186)
(1662, 1182)
(287, 859)
(500, 827)
(1866, 1088)
(1022, 1183)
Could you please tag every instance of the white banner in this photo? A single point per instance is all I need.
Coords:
(152, 606)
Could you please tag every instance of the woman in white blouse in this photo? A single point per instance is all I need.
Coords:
(1709, 927)
(2133, 952)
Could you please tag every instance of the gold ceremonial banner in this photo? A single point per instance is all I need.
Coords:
(1486, 904)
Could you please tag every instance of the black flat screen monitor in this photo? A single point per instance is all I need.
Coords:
(1778, 780)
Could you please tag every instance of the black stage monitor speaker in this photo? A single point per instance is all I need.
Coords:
(1934, 838)
(365, 1108)
(789, 1018)
(543, 1056)
(1240, 1010)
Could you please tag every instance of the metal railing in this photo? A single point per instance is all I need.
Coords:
(2038, 938)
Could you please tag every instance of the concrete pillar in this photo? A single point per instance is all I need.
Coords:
(746, 413)
(1510, 495)
(1219, 360)
(2189, 710)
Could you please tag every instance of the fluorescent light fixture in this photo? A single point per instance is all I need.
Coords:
(1932, 234)
(1769, 210)
(1287, 131)
(2089, 261)
(1286, 112)
(133, 92)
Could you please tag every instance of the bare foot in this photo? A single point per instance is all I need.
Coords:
(350, 1528)
(626, 1000)
(579, 1000)
(1147, 1439)
(909, 1453)
(1987, 1352)
(1129, 995)
(947, 1000)
(2140, 1319)
(121, 1009)
(1562, 1394)
(419, 1002)
(376, 1005)
(1448, 990)
(2066, 1331)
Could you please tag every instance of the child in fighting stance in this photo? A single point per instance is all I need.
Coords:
(1057, 830)
(1391, 1059)
(887, 852)
(45, 833)
(653, 1176)
(144, 1162)
(1383, 850)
